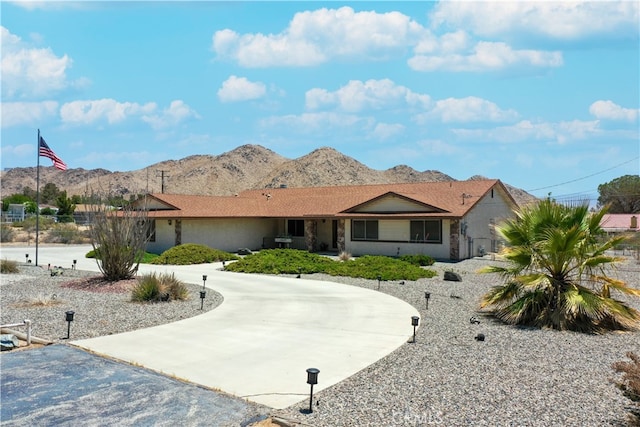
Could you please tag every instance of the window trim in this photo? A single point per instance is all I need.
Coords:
(367, 230)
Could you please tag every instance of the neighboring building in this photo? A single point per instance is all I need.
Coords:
(619, 223)
(445, 220)
(15, 213)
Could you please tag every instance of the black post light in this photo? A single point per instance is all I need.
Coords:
(204, 280)
(379, 279)
(75, 261)
(312, 378)
(26, 258)
(69, 318)
(202, 295)
(427, 295)
(414, 323)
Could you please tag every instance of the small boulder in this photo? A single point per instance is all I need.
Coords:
(452, 277)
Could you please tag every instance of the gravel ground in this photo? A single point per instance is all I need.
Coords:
(36, 295)
(516, 377)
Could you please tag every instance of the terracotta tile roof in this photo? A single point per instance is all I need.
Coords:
(337, 201)
(619, 222)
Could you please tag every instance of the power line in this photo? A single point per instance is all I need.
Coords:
(584, 177)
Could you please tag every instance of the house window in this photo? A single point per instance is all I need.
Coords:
(295, 227)
(364, 229)
(427, 231)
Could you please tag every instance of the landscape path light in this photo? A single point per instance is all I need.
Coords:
(69, 318)
(414, 323)
(75, 261)
(379, 279)
(204, 280)
(312, 379)
(427, 295)
(202, 295)
(26, 258)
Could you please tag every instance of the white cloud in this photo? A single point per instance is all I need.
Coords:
(485, 56)
(32, 72)
(525, 130)
(27, 113)
(357, 96)
(236, 89)
(313, 122)
(608, 110)
(314, 37)
(177, 113)
(465, 110)
(557, 19)
(88, 112)
(18, 151)
(384, 131)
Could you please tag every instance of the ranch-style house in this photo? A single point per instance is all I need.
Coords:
(450, 220)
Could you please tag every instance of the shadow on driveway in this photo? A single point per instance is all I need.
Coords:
(61, 385)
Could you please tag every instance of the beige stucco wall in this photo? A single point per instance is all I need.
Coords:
(488, 210)
(224, 234)
(398, 231)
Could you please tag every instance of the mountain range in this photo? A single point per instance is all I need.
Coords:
(246, 167)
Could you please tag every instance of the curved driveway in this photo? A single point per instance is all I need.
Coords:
(259, 342)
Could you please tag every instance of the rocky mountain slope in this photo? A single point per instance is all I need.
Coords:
(246, 167)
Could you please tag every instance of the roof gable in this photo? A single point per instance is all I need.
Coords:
(392, 203)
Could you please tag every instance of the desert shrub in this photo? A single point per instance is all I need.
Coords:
(64, 233)
(163, 287)
(344, 256)
(191, 253)
(8, 266)
(374, 266)
(281, 261)
(418, 259)
(6, 233)
(629, 384)
(147, 289)
(292, 261)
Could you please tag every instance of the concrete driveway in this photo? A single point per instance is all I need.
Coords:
(258, 344)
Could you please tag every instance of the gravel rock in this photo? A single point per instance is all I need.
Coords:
(516, 377)
(36, 295)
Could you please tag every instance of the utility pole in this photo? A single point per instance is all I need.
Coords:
(162, 177)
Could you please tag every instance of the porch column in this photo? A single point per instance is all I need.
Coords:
(454, 240)
(310, 234)
(341, 240)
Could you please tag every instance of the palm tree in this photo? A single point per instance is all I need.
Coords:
(557, 272)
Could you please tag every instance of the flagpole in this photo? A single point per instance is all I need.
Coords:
(37, 196)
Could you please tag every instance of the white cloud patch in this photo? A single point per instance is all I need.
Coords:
(357, 96)
(236, 89)
(383, 131)
(29, 72)
(177, 113)
(315, 37)
(525, 130)
(109, 110)
(27, 113)
(313, 122)
(608, 110)
(568, 20)
(466, 110)
(484, 56)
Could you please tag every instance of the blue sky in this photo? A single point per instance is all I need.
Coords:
(542, 95)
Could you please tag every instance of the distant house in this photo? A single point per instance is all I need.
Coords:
(619, 223)
(446, 220)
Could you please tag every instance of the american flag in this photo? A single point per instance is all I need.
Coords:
(47, 152)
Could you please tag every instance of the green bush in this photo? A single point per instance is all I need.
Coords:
(292, 261)
(191, 253)
(281, 261)
(155, 288)
(147, 289)
(8, 266)
(147, 257)
(418, 259)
